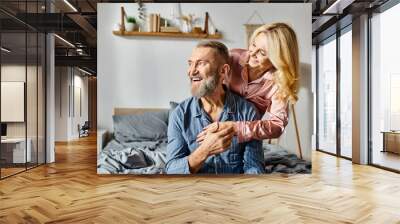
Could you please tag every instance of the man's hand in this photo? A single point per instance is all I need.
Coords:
(217, 141)
(214, 127)
(214, 143)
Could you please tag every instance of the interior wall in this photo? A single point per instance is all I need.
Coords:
(62, 80)
(151, 71)
(70, 83)
(80, 109)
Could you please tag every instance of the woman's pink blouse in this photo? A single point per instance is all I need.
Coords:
(263, 94)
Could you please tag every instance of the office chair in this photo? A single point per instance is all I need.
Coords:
(84, 130)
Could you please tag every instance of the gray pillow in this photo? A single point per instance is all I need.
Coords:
(141, 127)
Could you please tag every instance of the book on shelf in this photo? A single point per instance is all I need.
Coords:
(157, 24)
(154, 27)
(154, 22)
(149, 23)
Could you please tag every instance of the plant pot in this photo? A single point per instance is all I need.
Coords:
(130, 26)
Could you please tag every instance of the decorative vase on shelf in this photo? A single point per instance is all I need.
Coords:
(176, 15)
(186, 27)
(188, 22)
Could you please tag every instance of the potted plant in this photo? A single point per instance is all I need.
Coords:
(130, 23)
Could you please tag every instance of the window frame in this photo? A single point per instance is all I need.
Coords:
(334, 37)
(379, 10)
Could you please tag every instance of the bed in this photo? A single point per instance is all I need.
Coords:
(138, 143)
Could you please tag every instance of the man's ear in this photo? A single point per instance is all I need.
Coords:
(224, 71)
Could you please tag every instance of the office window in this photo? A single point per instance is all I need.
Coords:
(346, 93)
(385, 89)
(327, 96)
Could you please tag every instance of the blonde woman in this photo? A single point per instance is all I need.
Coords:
(266, 74)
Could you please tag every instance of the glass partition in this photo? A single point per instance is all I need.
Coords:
(327, 96)
(22, 77)
(32, 95)
(41, 96)
(14, 153)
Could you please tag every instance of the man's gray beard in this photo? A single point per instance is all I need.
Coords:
(207, 87)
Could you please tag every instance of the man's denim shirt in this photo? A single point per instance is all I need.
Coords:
(189, 119)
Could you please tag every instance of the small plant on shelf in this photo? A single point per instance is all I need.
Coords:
(131, 19)
(131, 22)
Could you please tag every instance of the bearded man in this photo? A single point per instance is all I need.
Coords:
(211, 101)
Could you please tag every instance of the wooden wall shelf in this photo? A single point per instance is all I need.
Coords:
(173, 35)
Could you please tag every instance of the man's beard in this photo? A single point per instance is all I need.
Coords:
(207, 86)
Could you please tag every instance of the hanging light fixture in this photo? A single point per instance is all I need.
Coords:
(84, 71)
(64, 40)
(70, 5)
(5, 50)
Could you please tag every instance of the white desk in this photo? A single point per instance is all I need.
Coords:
(16, 147)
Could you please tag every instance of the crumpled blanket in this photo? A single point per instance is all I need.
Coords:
(279, 160)
(149, 157)
(141, 157)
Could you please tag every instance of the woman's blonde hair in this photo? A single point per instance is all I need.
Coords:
(283, 52)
